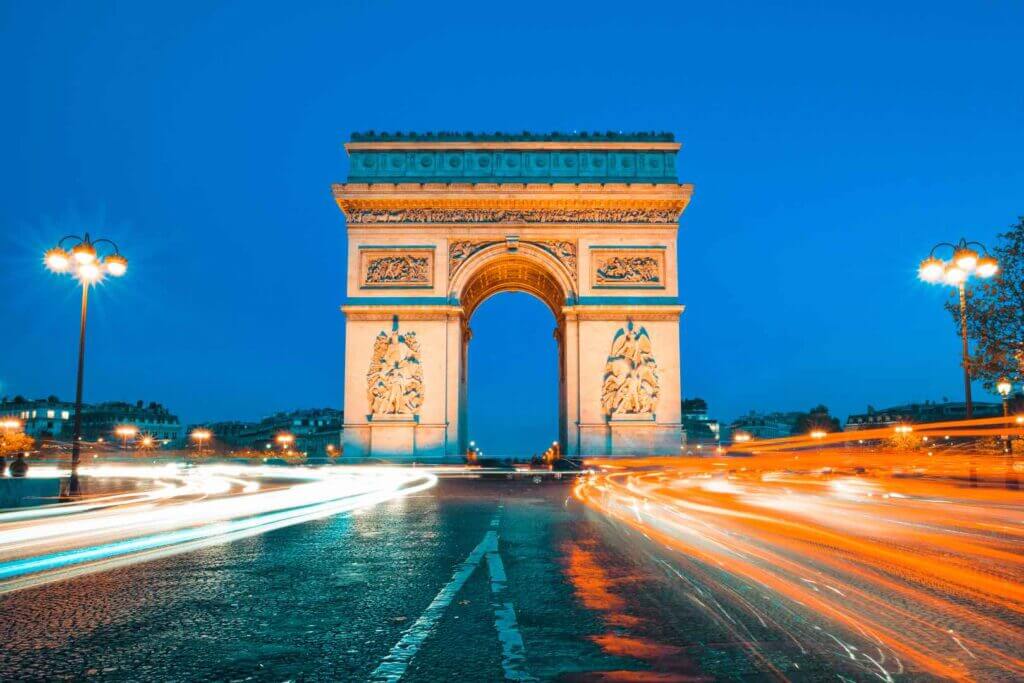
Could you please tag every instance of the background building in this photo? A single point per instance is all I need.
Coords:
(765, 425)
(100, 420)
(913, 413)
(317, 432)
(47, 418)
(698, 428)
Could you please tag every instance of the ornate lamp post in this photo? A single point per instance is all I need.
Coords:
(199, 436)
(963, 263)
(126, 432)
(87, 265)
(285, 439)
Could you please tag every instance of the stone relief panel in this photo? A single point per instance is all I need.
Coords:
(394, 381)
(640, 216)
(630, 268)
(630, 375)
(460, 250)
(562, 250)
(399, 267)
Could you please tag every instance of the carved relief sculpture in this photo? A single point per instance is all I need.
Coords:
(397, 268)
(628, 268)
(395, 379)
(460, 250)
(516, 216)
(564, 251)
(630, 375)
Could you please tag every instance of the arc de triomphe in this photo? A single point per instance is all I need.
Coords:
(439, 223)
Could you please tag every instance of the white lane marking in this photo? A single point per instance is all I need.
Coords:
(393, 667)
(513, 652)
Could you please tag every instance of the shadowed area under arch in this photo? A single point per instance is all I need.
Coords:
(513, 375)
(512, 274)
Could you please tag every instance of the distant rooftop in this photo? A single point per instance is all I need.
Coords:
(525, 136)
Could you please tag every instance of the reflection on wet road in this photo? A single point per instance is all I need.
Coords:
(881, 565)
(706, 570)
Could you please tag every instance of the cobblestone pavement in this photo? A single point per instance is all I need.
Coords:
(469, 581)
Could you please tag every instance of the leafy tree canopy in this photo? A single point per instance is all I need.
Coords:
(995, 314)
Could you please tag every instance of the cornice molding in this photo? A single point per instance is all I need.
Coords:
(520, 145)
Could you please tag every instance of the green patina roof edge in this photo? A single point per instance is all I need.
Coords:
(525, 136)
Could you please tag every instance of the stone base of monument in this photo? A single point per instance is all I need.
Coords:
(396, 438)
(629, 435)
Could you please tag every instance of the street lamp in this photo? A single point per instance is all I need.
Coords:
(9, 424)
(89, 266)
(126, 432)
(962, 264)
(1004, 387)
(284, 439)
(199, 436)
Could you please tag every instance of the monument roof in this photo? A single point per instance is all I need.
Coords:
(546, 158)
(525, 136)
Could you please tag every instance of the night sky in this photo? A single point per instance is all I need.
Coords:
(830, 148)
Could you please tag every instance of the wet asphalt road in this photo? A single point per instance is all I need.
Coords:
(470, 581)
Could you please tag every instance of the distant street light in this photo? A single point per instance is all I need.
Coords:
(964, 262)
(9, 424)
(741, 437)
(200, 436)
(126, 432)
(285, 440)
(146, 442)
(1004, 387)
(84, 263)
(818, 434)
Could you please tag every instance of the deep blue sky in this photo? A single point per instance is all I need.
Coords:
(830, 147)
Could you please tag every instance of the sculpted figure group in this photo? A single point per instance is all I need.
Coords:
(395, 378)
(631, 374)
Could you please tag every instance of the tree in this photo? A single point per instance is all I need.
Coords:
(817, 418)
(995, 314)
(15, 442)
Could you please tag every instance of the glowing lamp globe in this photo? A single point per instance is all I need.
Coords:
(83, 253)
(954, 275)
(966, 259)
(57, 260)
(987, 266)
(1004, 387)
(116, 265)
(931, 270)
(89, 272)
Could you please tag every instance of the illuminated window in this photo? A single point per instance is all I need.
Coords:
(51, 414)
(64, 414)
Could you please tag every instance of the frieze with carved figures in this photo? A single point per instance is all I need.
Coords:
(399, 267)
(638, 216)
(629, 268)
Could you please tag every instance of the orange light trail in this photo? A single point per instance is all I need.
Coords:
(893, 561)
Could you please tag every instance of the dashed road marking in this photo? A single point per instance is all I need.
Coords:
(513, 653)
(394, 666)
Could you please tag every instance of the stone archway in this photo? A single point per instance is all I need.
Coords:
(515, 267)
(436, 225)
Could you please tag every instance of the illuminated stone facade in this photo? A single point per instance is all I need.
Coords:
(437, 224)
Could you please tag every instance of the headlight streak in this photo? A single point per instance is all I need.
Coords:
(893, 555)
(94, 538)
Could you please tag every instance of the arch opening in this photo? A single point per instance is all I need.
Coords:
(512, 380)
